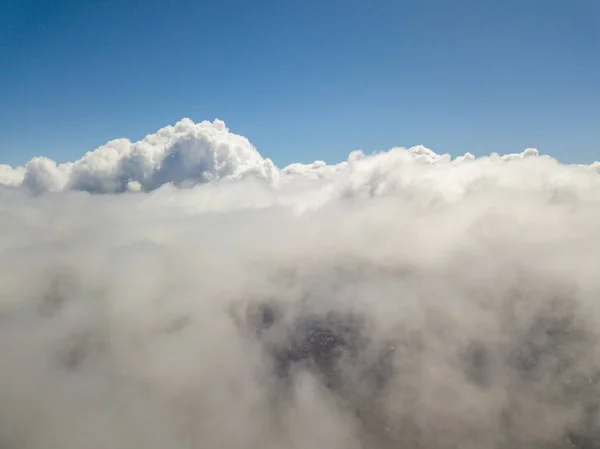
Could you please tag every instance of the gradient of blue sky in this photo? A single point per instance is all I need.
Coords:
(303, 80)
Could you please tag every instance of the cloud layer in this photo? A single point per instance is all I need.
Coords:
(123, 318)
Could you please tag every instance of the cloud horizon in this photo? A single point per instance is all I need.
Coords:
(188, 153)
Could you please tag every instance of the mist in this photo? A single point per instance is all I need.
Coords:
(130, 278)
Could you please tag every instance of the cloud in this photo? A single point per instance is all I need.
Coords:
(124, 318)
(184, 154)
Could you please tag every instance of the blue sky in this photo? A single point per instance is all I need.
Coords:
(303, 80)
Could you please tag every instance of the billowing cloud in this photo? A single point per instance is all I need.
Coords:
(184, 154)
(189, 153)
(129, 320)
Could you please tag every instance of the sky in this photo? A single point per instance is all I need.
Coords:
(303, 80)
(452, 294)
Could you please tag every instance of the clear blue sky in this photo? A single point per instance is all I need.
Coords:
(303, 80)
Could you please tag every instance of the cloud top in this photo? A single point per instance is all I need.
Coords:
(183, 154)
(191, 153)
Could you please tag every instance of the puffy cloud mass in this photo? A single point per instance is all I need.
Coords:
(211, 299)
(183, 154)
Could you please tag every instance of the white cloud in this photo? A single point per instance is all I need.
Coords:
(186, 153)
(122, 317)
(10, 176)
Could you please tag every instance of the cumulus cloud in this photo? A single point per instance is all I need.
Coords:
(126, 318)
(184, 154)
